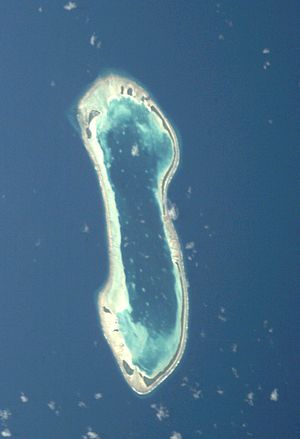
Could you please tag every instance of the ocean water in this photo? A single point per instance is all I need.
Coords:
(227, 75)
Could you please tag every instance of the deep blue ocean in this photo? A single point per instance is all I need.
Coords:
(228, 76)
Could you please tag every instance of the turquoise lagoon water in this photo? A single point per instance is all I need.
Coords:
(137, 152)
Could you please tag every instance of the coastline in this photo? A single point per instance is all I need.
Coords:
(90, 108)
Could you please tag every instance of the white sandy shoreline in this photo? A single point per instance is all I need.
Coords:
(97, 100)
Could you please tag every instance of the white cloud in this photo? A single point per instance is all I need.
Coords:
(4, 415)
(250, 399)
(220, 391)
(235, 372)
(70, 6)
(94, 41)
(53, 406)
(135, 152)
(90, 434)
(85, 228)
(82, 405)
(161, 411)
(190, 245)
(196, 392)
(234, 348)
(274, 395)
(23, 397)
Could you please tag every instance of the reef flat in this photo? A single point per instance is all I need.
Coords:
(143, 306)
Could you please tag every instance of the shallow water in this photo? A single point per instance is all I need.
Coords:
(137, 152)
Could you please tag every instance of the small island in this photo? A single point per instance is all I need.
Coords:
(143, 306)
